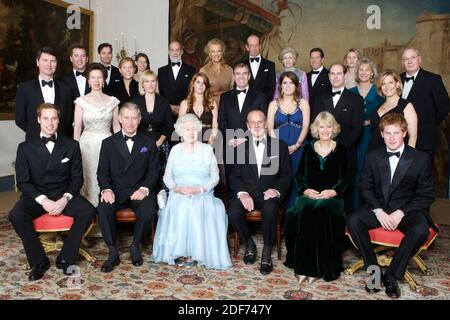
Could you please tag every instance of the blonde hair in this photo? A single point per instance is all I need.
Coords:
(212, 42)
(393, 74)
(328, 119)
(354, 51)
(146, 75)
(372, 66)
(288, 50)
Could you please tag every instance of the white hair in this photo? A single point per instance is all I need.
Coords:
(188, 117)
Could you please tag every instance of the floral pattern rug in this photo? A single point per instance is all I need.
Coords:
(164, 282)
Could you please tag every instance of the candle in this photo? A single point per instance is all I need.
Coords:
(116, 41)
(122, 39)
(135, 45)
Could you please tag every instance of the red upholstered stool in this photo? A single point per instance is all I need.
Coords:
(387, 241)
(50, 229)
(256, 216)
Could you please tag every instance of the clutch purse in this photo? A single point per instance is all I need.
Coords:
(161, 198)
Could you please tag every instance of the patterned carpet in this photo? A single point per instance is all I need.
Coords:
(153, 281)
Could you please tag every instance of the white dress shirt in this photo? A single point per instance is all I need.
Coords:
(259, 153)
(108, 78)
(129, 142)
(407, 85)
(176, 69)
(315, 76)
(81, 83)
(47, 92)
(255, 65)
(336, 97)
(393, 160)
(241, 97)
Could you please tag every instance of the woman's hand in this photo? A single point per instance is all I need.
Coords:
(187, 190)
(327, 194)
(311, 193)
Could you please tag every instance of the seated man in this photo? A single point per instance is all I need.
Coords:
(396, 192)
(128, 170)
(50, 176)
(261, 179)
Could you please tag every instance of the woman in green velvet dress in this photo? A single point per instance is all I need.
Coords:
(315, 224)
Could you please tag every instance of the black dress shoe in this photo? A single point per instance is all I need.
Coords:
(136, 258)
(38, 271)
(250, 256)
(64, 265)
(266, 267)
(109, 265)
(391, 286)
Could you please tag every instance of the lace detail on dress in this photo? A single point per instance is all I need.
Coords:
(97, 118)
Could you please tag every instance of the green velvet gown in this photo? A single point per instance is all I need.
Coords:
(315, 228)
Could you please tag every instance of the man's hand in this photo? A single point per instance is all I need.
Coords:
(108, 197)
(311, 193)
(270, 193)
(247, 201)
(386, 221)
(54, 208)
(139, 194)
(397, 216)
(175, 109)
(235, 142)
(327, 194)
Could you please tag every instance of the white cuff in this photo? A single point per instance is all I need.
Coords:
(40, 198)
(240, 193)
(68, 196)
(147, 191)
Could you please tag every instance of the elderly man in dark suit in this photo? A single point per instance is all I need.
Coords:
(426, 91)
(50, 176)
(128, 171)
(45, 88)
(261, 178)
(396, 191)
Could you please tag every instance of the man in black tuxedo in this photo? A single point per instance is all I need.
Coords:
(262, 70)
(105, 51)
(175, 77)
(426, 91)
(348, 109)
(50, 176)
(233, 110)
(318, 80)
(31, 94)
(396, 190)
(128, 171)
(261, 178)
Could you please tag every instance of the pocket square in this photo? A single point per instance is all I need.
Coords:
(266, 70)
(273, 157)
(143, 150)
(344, 110)
(186, 75)
(65, 160)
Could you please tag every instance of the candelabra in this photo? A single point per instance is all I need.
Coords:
(122, 53)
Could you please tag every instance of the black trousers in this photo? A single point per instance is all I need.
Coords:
(27, 209)
(269, 209)
(145, 209)
(414, 226)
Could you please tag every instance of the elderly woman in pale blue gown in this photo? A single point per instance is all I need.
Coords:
(288, 57)
(192, 227)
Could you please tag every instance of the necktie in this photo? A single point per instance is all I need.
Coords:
(78, 73)
(52, 138)
(409, 78)
(175, 64)
(241, 91)
(254, 59)
(262, 141)
(47, 83)
(315, 72)
(390, 154)
(108, 68)
(129, 138)
(335, 93)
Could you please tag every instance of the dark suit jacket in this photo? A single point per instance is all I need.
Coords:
(411, 190)
(275, 170)
(160, 120)
(430, 99)
(29, 97)
(229, 115)
(321, 86)
(39, 172)
(349, 113)
(264, 80)
(71, 82)
(175, 90)
(123, 172)
(118, 90)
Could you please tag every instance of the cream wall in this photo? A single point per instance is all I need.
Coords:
(147, 20)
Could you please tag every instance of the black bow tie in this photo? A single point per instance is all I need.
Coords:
(262, 141)
(108, 68)
(129, 138)
(78, 73)
(315, 72)
(47, 83)
(241, 91)
(409, 78)
(390, 154)
(335, 93)
(254, 59)
(175, 64)
(45, 140)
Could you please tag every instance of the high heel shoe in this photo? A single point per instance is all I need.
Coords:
(311, 279)
(300, 278)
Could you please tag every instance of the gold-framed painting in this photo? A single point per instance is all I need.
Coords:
(28, 25)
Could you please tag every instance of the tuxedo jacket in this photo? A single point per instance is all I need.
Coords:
(349, 113)
(430, 99)
(115, 76)
(175, 90)
(229, 115)
(71, 82)
(118, 90)
(275, 169)
(39, 172)
(125, 172)
(320, 87)
(29, 97)
(411, 189)
(264, 80)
